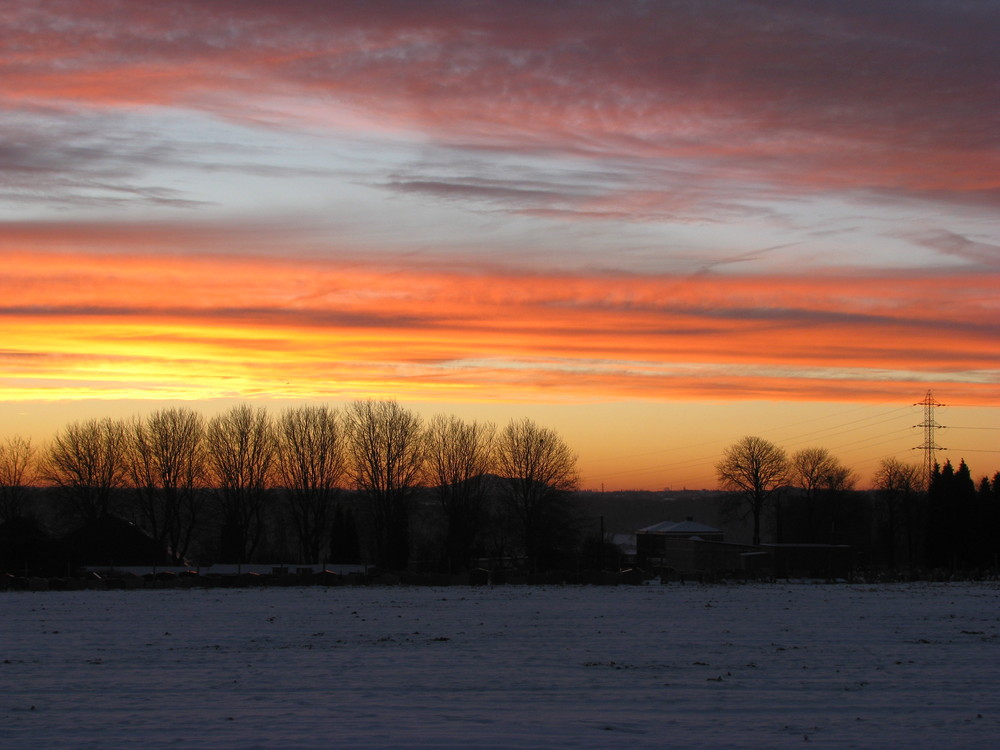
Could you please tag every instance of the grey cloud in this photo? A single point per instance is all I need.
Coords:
(473, 191)
(92, 160)
(926, 67)
(982, 254)
(888, 96)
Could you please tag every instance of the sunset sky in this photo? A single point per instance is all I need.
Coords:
(654, 226)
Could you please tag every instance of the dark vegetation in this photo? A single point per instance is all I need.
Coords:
(373, 486)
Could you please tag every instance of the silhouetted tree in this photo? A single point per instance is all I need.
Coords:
(88, 461)
(965, 533)
(984, 489)
(834, 505)
(241, 450)
(500, 527)
(386, 454)
(311, 464)
(18, 471)
(898, 487)
(991, 502)
(937, 542)
(459, 456)
(539, 473)
(345, 547)
(752, 470)
(962, 524)
(983, 524)
(823, 479)
(168, 465)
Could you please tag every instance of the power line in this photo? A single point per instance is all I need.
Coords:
(857, 422)
(841, 413)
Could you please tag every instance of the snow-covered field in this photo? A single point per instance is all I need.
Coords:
(511, 667)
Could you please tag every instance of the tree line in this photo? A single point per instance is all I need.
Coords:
(375, 483)
(908, 520)
(312, 484)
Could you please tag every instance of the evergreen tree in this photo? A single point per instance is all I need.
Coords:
(992, 524)
(938, 547)
(960, 530)
(983, 524)
(965, 539)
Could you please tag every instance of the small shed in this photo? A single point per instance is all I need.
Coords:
(656, 540)
(687, 547)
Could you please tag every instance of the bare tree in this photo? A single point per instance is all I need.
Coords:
(899, 487)
(88, 461)
(817, 471)
(459, 456)
(539, 471)
(311, 465)
(168, 466)
(18, 471)
(241, 450)
(753, 469)
(386, 455)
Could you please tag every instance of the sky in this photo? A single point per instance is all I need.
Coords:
(655, 226)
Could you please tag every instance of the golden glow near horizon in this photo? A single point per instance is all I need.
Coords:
(580, 217)
(217, 330)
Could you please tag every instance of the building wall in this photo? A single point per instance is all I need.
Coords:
(690, 556)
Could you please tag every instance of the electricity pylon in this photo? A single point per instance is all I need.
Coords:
(930, 445)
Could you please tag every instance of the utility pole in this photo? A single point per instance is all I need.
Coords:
(930, 445)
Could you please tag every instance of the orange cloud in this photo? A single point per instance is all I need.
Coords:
(155, 327)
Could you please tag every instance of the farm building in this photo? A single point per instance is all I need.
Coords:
(688, 548)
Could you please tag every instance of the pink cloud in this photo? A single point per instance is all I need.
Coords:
(822, 97)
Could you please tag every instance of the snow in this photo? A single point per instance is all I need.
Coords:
(768, 665)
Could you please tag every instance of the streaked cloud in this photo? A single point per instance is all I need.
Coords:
(281, 327)
(819, 97)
